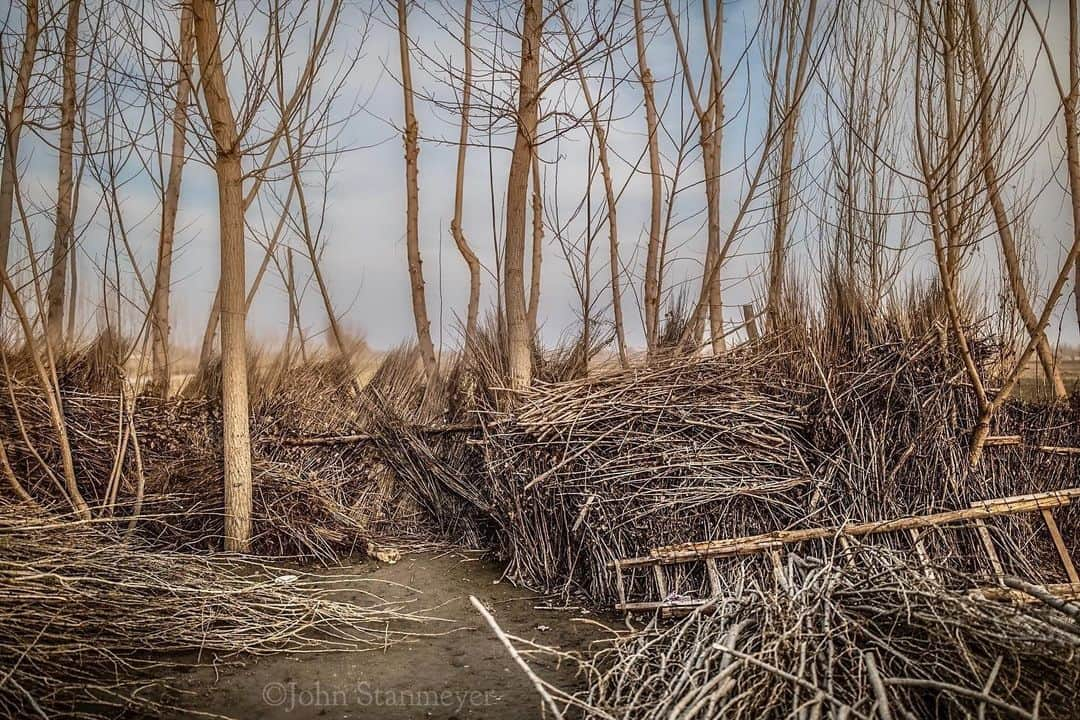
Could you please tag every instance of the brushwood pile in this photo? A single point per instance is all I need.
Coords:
(572, 474)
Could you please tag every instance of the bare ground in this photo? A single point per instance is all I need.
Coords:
(463, 672)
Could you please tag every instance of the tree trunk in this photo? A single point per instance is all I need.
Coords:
(794, 87)
(65, 186)
(288, 112)
(715, 114)
(471, 261)
(13, 131)
(537, 246)
(234, 401)
(1071, 104)
(294, 306)
(163, 278)
(412, 208)
(652, 252)
(609, 195)
(710, 120)
(986, 115)
(518, 340)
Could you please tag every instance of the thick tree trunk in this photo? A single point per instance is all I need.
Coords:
(518, 339)
(234, 401)
(472, 311)
(171, 201)
(13, 131)
(62, 239)
(412, 197)
(652, 251)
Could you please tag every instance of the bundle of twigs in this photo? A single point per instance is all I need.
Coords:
(584, 472)
(869, 639)
(85, 619)
(764, 438)
(315, 502)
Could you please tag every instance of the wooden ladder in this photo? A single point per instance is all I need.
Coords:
(709, 552)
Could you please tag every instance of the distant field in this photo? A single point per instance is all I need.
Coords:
(1033, 385)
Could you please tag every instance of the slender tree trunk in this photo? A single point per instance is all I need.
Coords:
(234, 401)
(715, 124)
(62, 239)
(297, 188)
(952, 143)
(73, 294)
(794, 88)
(518, 340)
(986, 117)
(537, 259)
(471, 261)
(652, 252)
(284, 362)
(13, 121)
(710, 153)
(171, 201)
(412, 209)
(13, 131)
(1071, 105)
(294, 305)
(609, 196)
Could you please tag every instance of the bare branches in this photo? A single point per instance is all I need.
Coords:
(412, 195)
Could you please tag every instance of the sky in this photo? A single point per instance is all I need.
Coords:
(363, 209)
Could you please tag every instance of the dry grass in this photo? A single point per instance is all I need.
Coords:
(88, 617)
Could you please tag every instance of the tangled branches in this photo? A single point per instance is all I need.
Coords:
(85, 616)
(761, 439)
(870, 639)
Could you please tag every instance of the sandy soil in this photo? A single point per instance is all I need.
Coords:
(463, 674)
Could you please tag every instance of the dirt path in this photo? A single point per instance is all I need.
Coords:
(463, 674)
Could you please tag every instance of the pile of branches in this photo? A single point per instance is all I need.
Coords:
(767, 437)
(86, 619)
(135, 452)
(585, 472)
(869, 639)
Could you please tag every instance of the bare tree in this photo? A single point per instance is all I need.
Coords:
(13, 123)
(235, 431)
(1068, 89)
(171, 201)
(471, 260)
(599, 133)
(865, 245)
(412, 198)
(62, 240)
(708, 105)
(653, 256)
(989, 115)
(264, 150)
(794, 41)
(518, 339)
